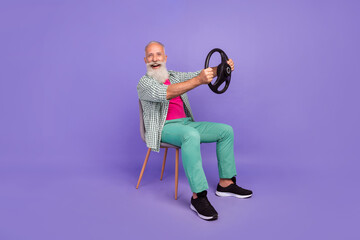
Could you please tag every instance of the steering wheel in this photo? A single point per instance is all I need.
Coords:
(223, 71)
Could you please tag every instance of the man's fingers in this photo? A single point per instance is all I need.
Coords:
(208, 70)
(209, 74)
(206, 75)
(231, 63)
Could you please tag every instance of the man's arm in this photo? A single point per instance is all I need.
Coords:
(205, 77)
(176, 89)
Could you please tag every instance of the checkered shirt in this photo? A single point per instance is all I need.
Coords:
(155, 106)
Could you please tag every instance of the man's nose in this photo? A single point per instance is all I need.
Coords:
(155, 58)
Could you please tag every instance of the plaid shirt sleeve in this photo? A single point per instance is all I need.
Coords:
(151, 90)
(184, 76)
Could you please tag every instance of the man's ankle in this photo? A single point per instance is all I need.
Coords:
(225, 182)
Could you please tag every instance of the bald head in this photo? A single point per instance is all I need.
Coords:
(154, 42)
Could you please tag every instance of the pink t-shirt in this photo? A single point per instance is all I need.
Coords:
(176, 107)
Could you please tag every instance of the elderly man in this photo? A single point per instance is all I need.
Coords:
(168, 118)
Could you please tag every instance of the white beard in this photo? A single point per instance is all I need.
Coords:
(160, 74)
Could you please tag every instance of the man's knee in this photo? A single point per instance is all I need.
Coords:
(191, 135)
(227, 130)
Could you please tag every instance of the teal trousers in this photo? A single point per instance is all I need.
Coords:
(188, 135)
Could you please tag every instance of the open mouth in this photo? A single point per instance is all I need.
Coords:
(155, 65)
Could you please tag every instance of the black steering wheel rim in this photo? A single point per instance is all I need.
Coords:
(223, 71)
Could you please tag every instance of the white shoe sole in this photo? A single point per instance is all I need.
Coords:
(201, 216)
(227, 194)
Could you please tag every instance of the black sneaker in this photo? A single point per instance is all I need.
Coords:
(203, 207)
(233, 190)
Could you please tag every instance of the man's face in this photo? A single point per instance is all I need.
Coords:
(155, 55)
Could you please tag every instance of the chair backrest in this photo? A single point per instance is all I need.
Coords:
(142, 126)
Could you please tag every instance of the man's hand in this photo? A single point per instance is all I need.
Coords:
(206, 76)
(231, 63)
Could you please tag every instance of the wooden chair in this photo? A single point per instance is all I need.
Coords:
(162, 145)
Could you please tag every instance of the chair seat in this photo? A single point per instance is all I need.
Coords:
(167, 145)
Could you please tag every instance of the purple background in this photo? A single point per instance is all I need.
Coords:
(70, 147)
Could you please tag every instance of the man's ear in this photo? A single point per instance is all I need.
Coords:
(145, 59)
(165, 58)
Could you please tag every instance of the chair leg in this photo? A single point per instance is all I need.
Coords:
(143, 167)
(163, 165)
(176, 172)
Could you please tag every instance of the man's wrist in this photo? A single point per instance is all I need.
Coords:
(197, 81)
